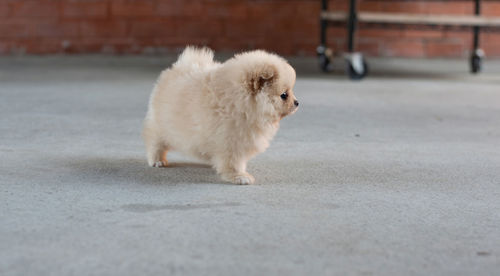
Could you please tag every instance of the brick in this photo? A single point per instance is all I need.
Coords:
(30, 45)
(372, 6)
(304, 29)
(100, 45)
(87, 45)
(368, 31)
(148, 45)
(490, 8)
(54, 28)
(103, 28)
(368, 47)
(307, 10)
(422, 33)
(132, 8)
(33, 8)
(444, 49)
(4, 47)
(447, 33)
(440, 7)
(403, 48)
(271, 10)
(304, 48)
(338, 45)
(279, 48)
(178, 42)
(201, 28)
(116, 45)
(190, 8)
(246, 28)
(237, 9)
(17, 47)
(338, 5)
(336, 31)
(490, 43)
(404, 7)
(225, 44)
(15, 29)
(45, 46)
(87, 9)
(492, 50)
(4, 10)
(153, 28)
(282, 28)
(490, 36)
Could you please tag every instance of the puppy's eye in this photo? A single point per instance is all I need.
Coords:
(284, 96)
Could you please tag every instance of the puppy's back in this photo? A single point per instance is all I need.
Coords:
(184, 77)
(193, 58)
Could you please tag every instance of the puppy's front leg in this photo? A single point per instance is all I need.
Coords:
(234, 171)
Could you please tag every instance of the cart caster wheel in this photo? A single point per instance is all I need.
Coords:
(475, 64)
(357, 68)
(476, 61)
(324, 59)
(324, 63)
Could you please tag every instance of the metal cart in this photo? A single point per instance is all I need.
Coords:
(357, 67)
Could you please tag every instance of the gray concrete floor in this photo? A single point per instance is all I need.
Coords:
(395, 175)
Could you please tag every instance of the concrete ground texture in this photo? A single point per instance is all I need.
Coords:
(398, 174)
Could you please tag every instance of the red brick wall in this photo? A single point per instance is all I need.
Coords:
(286, 26)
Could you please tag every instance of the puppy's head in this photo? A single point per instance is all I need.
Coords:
(270, 79)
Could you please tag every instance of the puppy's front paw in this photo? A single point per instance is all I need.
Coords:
(239, 178)
(244, 179)
(159, 164)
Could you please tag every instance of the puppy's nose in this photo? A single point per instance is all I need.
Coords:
(296, 103)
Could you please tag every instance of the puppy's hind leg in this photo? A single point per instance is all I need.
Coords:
(156, 149)
(156, 154)
(163, 162)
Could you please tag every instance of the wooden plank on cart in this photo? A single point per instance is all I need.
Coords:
(424, 19)
(334, 16)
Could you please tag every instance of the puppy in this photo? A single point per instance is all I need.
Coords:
(222, 113)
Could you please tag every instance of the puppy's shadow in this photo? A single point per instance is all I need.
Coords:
(186, 164)
(135, 170)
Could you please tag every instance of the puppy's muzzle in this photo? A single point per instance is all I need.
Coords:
(296, 103)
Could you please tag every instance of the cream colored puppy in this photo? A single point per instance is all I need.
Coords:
(223, 113)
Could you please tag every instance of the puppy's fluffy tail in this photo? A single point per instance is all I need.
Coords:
(198, 57)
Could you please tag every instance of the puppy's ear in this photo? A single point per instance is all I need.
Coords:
(261, 75)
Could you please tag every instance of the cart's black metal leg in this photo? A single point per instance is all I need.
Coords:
(476, 28)
(323, 23)
(356, 65)
(477, 53)
(323, 55)
(351, 25)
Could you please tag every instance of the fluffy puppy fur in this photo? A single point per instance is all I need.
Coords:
(222, 113)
